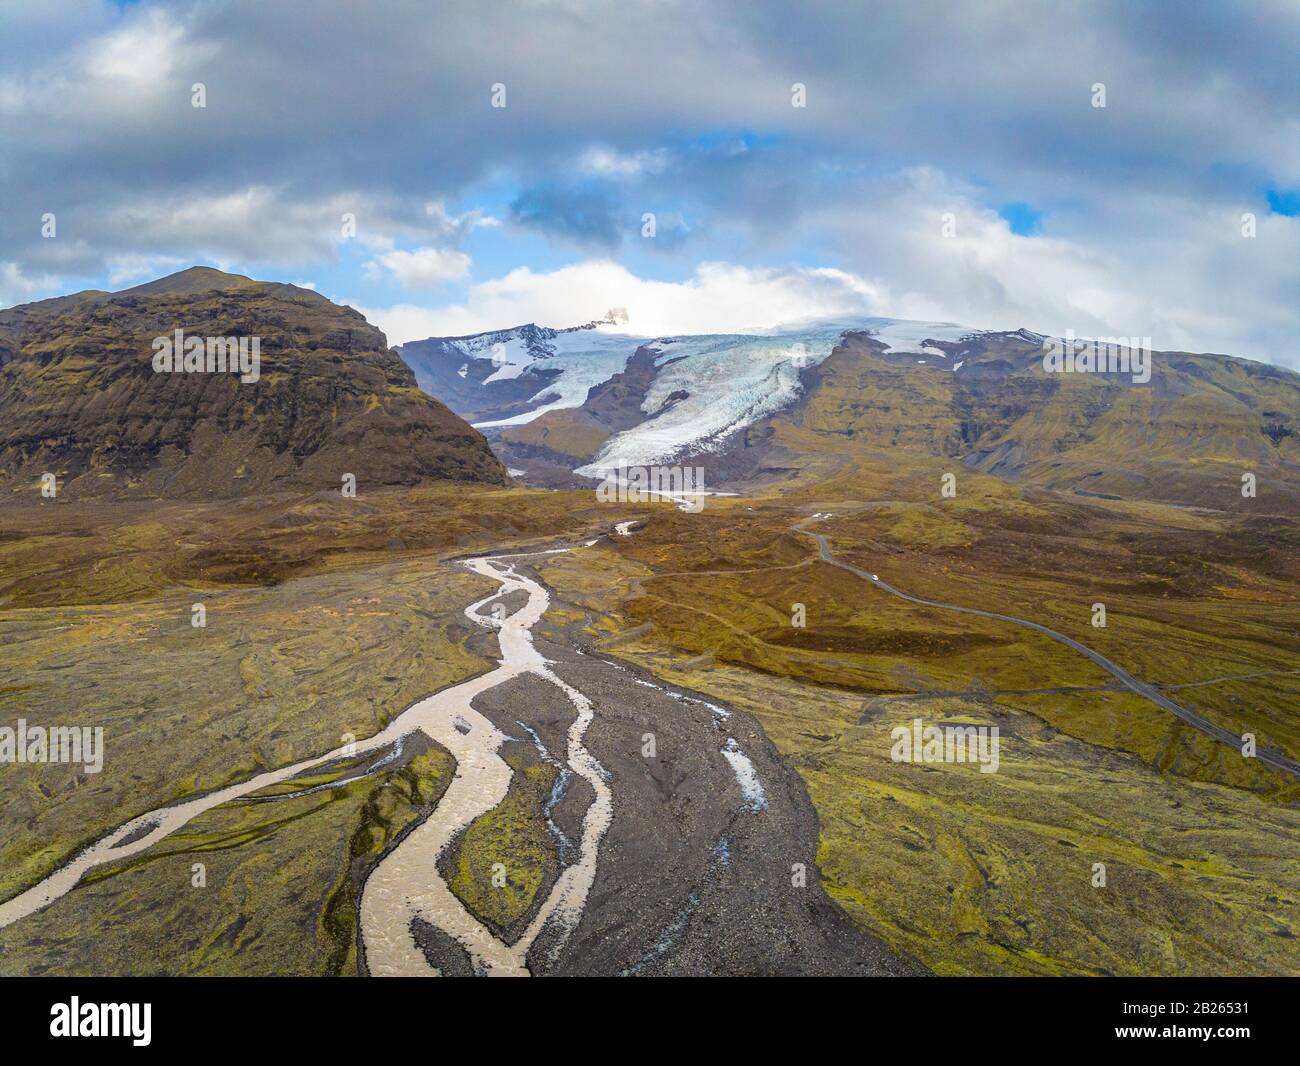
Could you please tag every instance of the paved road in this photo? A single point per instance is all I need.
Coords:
(1269, 758)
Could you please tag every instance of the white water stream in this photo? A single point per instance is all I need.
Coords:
(406, 885)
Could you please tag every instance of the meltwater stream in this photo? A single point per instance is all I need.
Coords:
(406, 884)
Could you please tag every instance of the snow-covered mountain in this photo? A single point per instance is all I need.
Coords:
(560, 407)
(510, 376)
(690, 396)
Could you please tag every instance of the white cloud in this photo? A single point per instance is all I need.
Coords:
(1185, 277)
(429, 265)
(1174, 269)
(719, 297)
(129, 71)
(1141, 197)
(269, 224)
(143, 51)
(16, 287)
(423, 268)
(255, 224)
(608, 163)
(133, 266)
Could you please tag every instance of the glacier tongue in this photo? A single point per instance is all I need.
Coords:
(733, 380)
(730, 381)
(707, 388)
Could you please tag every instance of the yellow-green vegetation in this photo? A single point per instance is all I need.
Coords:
(976, 872)
(1187, 437)
(998, 873)
(276, 894)
(730, 592)
(505, 856)
(86, 552)
(1190, 599)
(325, 618)
(564, 433)
(276, 676)
(388, 809)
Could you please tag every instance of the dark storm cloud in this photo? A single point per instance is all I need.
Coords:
(319, 97)
(586, 214)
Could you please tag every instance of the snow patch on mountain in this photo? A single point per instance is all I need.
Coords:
(902, 336)
(707, 387)
(584, 356)
(510, 358)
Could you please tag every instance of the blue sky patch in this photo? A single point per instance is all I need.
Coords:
(1023, 219)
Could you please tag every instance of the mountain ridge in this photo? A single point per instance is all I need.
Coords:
(1001, 411)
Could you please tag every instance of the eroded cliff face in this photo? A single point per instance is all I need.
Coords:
(80, 397)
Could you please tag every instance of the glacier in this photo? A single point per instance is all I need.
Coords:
(584, 357)
(734, 380)
(707, 387)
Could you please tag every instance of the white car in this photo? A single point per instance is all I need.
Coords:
(875, 577)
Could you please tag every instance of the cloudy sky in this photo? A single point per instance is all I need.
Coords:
(949, 163)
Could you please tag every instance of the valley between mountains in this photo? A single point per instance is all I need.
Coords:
(473, 720)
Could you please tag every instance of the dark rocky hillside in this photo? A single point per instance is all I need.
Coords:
(79, 397)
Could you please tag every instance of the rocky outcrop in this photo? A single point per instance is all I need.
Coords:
(80, 397)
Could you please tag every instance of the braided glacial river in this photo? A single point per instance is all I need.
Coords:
(406, 886)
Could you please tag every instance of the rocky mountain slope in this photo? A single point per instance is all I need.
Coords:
(511, 375)
(1188, 435)
(80, 397)
(813, 401)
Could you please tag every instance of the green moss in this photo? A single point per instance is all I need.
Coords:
(510, 842)
(993, 873)
(389, 809)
